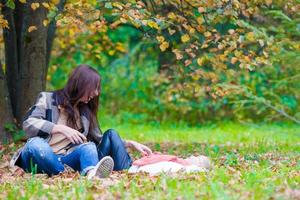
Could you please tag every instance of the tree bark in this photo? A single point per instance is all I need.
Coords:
(11, 56)
(33, 53)
(25, 55)
(6, 111)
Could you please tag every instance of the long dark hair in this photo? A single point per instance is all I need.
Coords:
(82, 82)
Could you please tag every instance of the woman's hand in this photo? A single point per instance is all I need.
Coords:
(73, 135)
(143, 149)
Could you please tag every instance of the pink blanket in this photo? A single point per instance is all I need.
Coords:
(155, 158)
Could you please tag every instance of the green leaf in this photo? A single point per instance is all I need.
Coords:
(10, 4)
(278, 14)
(108, 5)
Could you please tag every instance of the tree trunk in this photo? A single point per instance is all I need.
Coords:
(33, 54)
(165, 60)
(25, 55)
(11, 56)
(6, 112)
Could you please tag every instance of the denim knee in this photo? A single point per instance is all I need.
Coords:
(37, 147)
(89, 147)
(112, 133)
(114, 137)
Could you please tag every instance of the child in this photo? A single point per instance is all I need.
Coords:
(157, 163)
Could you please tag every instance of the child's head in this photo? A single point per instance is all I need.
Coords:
(200, 161)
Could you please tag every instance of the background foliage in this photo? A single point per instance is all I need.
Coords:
(194, 61)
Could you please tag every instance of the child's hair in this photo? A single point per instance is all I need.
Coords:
(200, 161)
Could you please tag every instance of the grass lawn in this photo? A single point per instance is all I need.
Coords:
(249, 162)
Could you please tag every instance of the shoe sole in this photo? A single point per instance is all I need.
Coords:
(105, 167)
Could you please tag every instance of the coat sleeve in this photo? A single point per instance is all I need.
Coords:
(37, 121)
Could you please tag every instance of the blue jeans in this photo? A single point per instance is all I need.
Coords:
(37, 156)
(112, 145)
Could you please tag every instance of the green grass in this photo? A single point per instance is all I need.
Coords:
(218, 133)
(249, 162)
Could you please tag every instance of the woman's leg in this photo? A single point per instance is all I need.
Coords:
(112, 145)
(37, 156)
(83, 158)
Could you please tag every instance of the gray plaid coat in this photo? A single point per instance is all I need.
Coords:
(43, 115)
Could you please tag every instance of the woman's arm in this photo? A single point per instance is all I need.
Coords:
(73, 135)
(143, 149)
(35, 123)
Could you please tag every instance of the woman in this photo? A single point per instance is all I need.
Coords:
(63, 130)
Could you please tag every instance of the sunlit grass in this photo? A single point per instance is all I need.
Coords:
(249, 162)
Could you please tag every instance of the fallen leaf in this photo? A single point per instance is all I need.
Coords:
(32, 28)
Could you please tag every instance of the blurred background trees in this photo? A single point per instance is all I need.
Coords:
(170, 60)
(195, 61)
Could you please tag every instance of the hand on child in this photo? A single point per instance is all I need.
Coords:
(143, 149)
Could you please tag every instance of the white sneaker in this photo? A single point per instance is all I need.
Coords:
(103, 168)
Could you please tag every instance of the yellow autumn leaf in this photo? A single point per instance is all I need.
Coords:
(3, 22)
(192, 30)
(237, 53)
(120, 47)
(199, 20)
(203, 46)
(171, 15)
(220, 46)
(35, 6)
(231, 31)
(71, 33)
(261, 43)
(22, 1)
(32, 28)
(160, 39)
(250, 36)
(45, 22)
(266, 54)
(140, 3)
(247, 58)
(178, 54)
(201, 28)
(55, 2)
(207, 34)
(79, 12)
(171, 31)
(115, 24)
(111, 52)
(268, 2)
(118, 5)
(233, 60)
(123, 20)
(164, 46)
(153, 24)
(89, 46)
(200, 61)
(185, 38)
(195, 77)
(46, 5)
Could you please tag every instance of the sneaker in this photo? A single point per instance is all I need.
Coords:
(103, 168)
